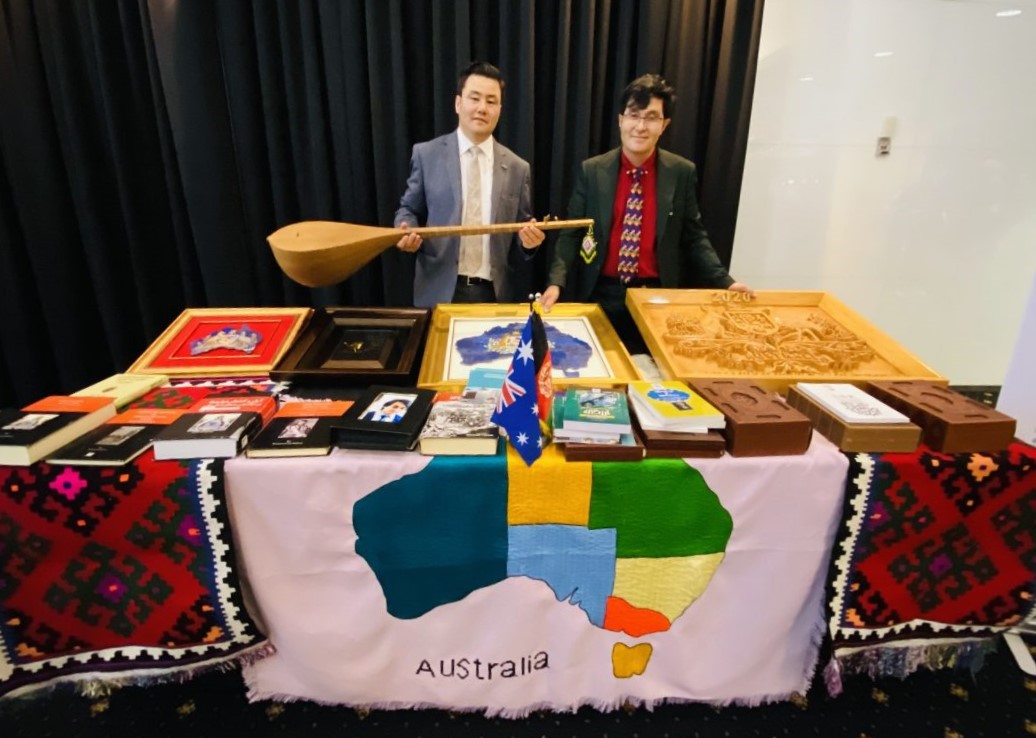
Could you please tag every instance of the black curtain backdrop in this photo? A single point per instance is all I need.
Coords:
(147, 147)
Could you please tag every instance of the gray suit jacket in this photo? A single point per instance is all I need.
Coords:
(685, 255)
(433, 198)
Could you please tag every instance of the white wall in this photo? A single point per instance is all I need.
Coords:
(934, 243)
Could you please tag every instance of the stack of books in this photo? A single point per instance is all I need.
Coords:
(676, 421)
(594, 425)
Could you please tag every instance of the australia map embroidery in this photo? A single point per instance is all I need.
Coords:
(632, 558)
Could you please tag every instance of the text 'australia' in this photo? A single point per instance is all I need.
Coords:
(466, 668)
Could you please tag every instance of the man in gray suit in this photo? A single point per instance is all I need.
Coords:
(670, 245)
(466, 177)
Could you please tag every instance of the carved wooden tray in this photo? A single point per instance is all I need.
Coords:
(777, 339)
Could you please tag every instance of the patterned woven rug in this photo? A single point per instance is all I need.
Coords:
(933, 546)
(118, 574)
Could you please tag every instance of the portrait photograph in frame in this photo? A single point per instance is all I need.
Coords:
(223, 342)
(357, 346)
(584, 346)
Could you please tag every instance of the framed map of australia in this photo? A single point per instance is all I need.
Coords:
(585, 349)
(224, 342)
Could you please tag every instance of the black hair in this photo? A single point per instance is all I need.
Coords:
(406, 402)
(639, 92)
(482, 69)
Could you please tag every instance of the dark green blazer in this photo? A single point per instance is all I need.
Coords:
(685, 255)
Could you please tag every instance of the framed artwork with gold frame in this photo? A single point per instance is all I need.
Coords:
(776, 339)
(223, 342)
(585, 349)
(357, 346)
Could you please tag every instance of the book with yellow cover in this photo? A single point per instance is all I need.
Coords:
(123, 388)
(672, 405)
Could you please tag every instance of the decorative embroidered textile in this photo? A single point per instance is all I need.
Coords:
(629, 244)
(118, 573)
(483, 583)
(933, 546)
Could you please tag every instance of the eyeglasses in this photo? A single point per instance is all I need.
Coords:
(648, 119)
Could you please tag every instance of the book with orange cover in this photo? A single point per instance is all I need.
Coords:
(118, 441)
(299, 429)
(215, 427)
(30, 434)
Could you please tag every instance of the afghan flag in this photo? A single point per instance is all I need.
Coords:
(523, 409)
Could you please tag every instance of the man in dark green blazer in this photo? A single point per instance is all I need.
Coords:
(647, 228)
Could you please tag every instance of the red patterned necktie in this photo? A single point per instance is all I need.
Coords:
(629, 243)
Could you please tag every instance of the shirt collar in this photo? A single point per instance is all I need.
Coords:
(649, 163)
(463, 144)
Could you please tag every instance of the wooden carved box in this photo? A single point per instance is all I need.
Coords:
(777, 338)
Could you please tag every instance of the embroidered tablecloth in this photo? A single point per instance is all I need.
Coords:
(477, 583)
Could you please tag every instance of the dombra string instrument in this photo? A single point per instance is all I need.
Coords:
(319, 253)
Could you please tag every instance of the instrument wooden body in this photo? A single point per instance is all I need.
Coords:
(318, 253)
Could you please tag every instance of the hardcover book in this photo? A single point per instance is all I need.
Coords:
(459, 426)
(122, 439)
(850, 403)
(596, 411)
(564, 435)
(384, 418)
(215, 427)
(299, 429)
(123, 388)
(30, 434)
(672, 405)
(485, 383)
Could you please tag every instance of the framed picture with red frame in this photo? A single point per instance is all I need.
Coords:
(223, 342)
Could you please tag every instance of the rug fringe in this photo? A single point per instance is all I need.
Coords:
(96, 685)
(518, 713)
(901, 661)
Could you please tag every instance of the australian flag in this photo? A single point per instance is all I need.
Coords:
(523, 409)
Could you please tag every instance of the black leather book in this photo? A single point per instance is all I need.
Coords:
(384, 418)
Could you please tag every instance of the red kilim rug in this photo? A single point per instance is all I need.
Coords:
(122, 574)
(937, 552)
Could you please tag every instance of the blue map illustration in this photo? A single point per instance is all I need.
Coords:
(568, 353)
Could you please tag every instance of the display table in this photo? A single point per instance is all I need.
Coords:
(936, 556)
(399, 580)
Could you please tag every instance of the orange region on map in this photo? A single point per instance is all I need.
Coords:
(620, 615)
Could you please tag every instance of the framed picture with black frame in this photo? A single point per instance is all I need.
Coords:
(357, 346)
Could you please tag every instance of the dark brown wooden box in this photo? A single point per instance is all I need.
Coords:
(759, 421)
(867, 437)
(950, 422)
(666, 444)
